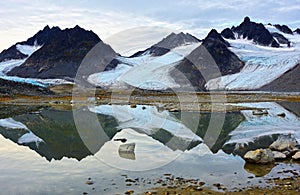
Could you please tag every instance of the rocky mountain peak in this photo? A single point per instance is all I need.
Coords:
(256, 32)
(61, 54)
(172, 41)
(284, 29)
(214, 45)
(246, 20)
(214, 38)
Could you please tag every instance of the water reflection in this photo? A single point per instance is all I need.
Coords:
(53, 133)
(61, 139)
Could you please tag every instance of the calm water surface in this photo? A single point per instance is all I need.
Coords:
(46, 150)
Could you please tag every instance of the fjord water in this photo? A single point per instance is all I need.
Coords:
(42, 151)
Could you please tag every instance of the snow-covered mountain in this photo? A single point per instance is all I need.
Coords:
(148, 69)
(174, 62)
(263, 65)
(251, 56)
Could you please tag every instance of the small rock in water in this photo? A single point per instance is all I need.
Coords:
(129, 192)
(278, 155)
(285, 143)
(89, 182)
(260, 112)
(259, 156)
(281, 114)
(296, 156)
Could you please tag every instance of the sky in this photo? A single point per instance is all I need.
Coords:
(21, 19)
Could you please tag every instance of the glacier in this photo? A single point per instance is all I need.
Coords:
(262, 64)
(8, 65)
(145, 71)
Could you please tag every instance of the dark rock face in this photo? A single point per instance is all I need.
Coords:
(227, 33)
(284, 28)
(213, 51)
(297, 31)
(11, 53)
(288, 82)
(11, 88)
(60, 55)
(256, 32)
(165, 45)
(281, 39)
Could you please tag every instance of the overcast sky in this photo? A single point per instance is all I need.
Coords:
(21, 19)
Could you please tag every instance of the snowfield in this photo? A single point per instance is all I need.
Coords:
(28, 49)
(145, 71)
(263, 64)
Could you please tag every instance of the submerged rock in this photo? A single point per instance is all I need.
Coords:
(260, 156)
(285, 143)
(259, 112)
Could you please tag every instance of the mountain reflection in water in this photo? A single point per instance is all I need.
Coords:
(61, 139)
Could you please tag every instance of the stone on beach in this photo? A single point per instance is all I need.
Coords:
(259, 156)
(296, 156)
(279, 155)
(285, 143)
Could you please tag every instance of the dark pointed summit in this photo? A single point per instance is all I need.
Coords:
(214, 38)
(228, 34)
(256, 32)
(297, 31)
(247, 20)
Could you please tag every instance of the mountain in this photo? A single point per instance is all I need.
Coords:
(227, 33)
(266, 68)
(281, 39)
(39, 38)
(60, 54)
(170, 42)
(250, 56)
(284, 29)
(148, 69)
(297, 31)
(199, 66)
(251, 31)
(11, 53)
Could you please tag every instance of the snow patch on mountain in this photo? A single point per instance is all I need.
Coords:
(145, 71)
(263, 64)
(28, 49)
